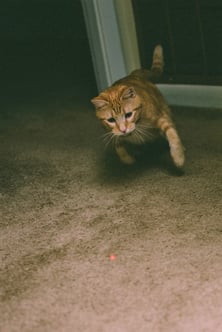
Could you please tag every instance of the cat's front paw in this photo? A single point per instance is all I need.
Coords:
(178, 156)
(127, 159)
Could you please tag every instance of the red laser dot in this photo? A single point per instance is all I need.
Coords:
(112, 257)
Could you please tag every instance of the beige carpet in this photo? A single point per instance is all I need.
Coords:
(66, 205)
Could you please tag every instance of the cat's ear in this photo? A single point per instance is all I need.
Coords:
(129, 93)
(98, 103)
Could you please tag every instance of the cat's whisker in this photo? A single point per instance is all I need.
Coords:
(145, 132)
(141, 131)
(108, 138)
(107, 143)
(145, 126)
(139, 136)
(106, 135)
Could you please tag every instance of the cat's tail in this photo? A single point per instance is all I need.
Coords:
(156, 68)
(158, 62)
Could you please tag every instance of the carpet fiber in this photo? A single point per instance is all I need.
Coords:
(67, 205)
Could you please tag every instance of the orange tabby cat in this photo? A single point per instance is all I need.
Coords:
(133, 110)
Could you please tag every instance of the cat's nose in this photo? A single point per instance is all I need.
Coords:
(122, 128)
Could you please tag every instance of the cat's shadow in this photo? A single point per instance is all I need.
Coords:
(150, 158)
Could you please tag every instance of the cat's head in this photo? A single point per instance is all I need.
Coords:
(119, 109)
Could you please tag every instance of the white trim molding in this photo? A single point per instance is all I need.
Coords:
(128, 35)
(192, 95)
(112, 37)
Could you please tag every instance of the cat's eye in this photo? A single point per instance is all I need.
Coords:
(128, 115)
(111, 120)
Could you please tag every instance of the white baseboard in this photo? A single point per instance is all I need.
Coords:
(192, 95)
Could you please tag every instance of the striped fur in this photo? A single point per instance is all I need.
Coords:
(133, 110)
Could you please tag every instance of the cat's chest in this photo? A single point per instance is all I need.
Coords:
(141, 135)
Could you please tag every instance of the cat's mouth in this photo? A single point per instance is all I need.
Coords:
(126, 134)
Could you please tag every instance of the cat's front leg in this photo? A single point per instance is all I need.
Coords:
(124, 156)
(176, 147)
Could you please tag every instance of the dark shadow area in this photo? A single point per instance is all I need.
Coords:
(45, 53)
(149, 158)
(190, 32)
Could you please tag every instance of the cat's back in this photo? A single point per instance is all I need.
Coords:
(143, 87)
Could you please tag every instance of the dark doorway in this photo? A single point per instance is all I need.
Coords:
(191, 34)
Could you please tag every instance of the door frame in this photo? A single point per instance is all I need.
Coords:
(112, 37)
(111, 30)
